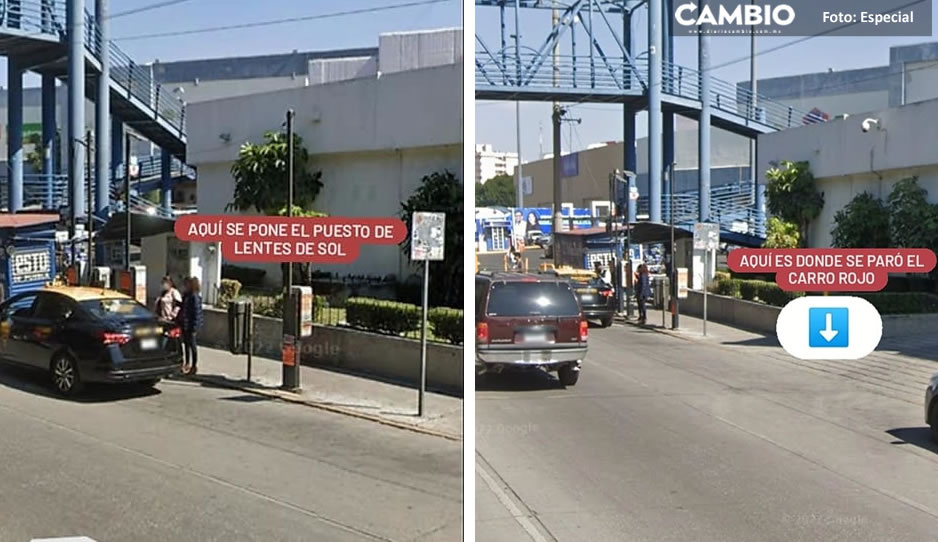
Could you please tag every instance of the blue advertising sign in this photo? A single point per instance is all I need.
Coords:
(570, 165)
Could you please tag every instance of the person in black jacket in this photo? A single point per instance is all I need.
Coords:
(191, 323)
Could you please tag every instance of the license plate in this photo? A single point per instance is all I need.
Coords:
(535, 338)
(149, 343)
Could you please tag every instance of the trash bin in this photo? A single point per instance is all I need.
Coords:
(661, 288)
(237, 322)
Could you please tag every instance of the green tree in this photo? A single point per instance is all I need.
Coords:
(862, 223)
(781, 234)
(913, 222)
(34, 156)
(261, 176)
(498, 191)
(791, 195)
(441, 192)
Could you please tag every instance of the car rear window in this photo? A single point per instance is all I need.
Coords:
(532, 299)
(110, 307)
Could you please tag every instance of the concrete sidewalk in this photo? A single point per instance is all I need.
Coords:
(350, 395)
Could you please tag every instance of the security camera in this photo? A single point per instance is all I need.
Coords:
(868, 125)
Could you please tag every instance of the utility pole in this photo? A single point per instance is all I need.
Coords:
(556, 115)
(754, 87)
(90, 201)
(290, 172)
(518, 176)
(674, 289)
(127, 200)
(558, 172)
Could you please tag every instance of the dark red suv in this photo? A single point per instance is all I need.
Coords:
(529, 321)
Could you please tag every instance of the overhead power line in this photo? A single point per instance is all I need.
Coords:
(149, 7)
(280, 21)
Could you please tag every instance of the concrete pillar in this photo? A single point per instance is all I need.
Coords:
(630, 156)
(102, 126)
(117, 146)
(667, 54)
(75, 23)
(166, 179)
(703, 147)
(15, 135)
(48, 137)
(655, 162)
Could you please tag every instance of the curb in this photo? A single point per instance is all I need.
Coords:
(297, 399)
(657, 329)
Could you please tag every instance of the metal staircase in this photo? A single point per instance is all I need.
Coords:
(731, 207)
(35, 32)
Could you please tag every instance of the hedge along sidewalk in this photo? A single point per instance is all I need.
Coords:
(340, 393)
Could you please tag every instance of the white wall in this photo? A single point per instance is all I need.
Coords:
(405, 51)
(921, 81)
(373, 139)
(331, 70)
(846, 161)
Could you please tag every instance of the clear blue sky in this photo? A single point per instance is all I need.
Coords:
(495, 122)
(359, 30)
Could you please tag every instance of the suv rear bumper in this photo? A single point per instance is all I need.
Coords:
(529, 357)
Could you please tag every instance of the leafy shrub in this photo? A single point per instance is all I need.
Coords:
(382, 316)
(755, 290)
(902, 302)
(247, 276)
(447, 324)
(726, 286)
(228, 290)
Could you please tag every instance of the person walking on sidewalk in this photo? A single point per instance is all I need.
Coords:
(169, 303)
(191, 323)
(643, 292)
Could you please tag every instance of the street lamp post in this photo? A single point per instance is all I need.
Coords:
(674, 289)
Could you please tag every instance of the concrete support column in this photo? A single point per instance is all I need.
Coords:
(655, 162)
(667, 54)
(102, 123)
(703, 147)
(48, 137)
(630, 155)
(75, 22)
(166, 179)
(15, 135)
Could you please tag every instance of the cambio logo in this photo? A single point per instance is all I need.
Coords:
(741, 15)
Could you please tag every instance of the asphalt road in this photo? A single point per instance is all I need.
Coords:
(668, 439)
(193, 463)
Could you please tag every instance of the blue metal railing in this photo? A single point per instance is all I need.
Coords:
(38, 194)
(605, 75)
(47, 19)
(731, 206)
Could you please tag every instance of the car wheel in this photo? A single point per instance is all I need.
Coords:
(65, 377)
(568, 375)
(607, 321)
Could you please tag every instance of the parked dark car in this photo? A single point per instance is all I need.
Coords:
(79, 335)
(931, 406)
(597, 300)
(529, 322)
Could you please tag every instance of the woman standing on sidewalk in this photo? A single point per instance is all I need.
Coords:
(191, 323)
(169, 303)
(643, 292)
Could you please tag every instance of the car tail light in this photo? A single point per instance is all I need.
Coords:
(482, 332)
(114, 338)
(174, 333)
(605, 293)
(584, 330)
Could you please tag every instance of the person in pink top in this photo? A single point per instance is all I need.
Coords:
(169, 302)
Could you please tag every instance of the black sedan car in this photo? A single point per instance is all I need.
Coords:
(597, 300)
(79, 335)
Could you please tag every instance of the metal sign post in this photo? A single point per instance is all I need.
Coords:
(427, 240)
(706, 238)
